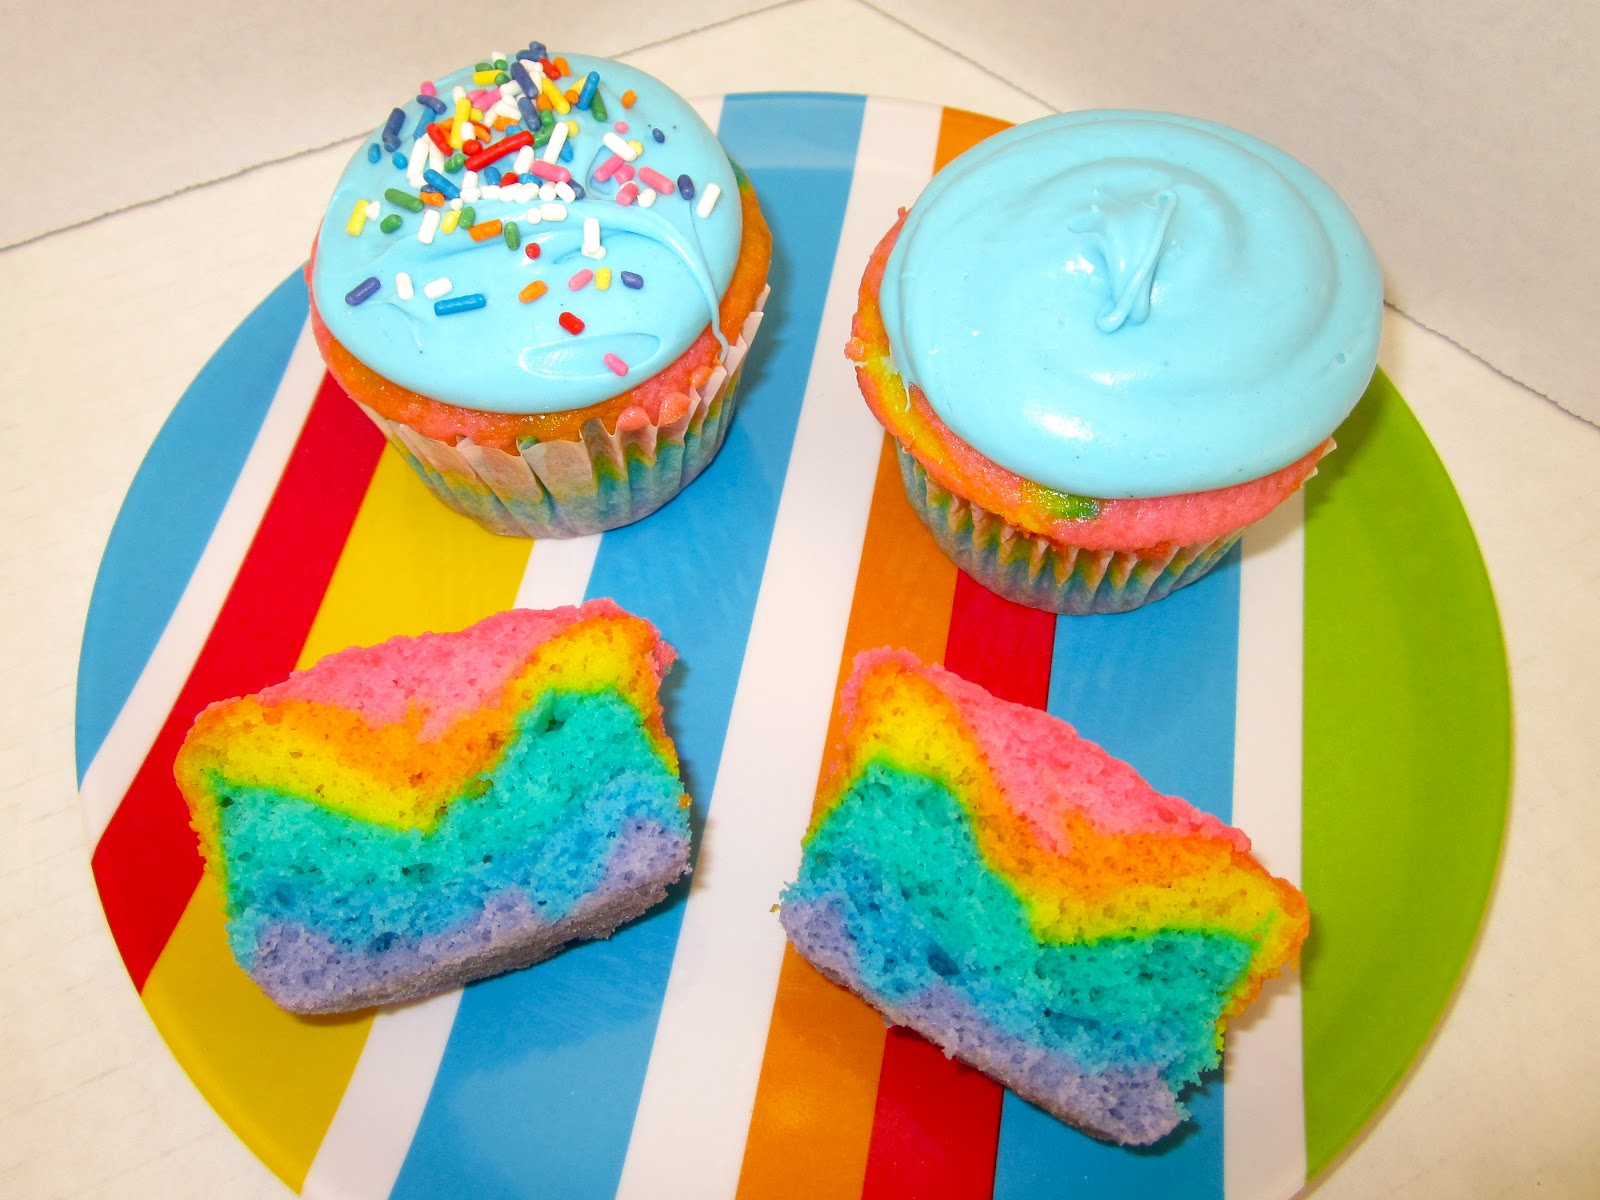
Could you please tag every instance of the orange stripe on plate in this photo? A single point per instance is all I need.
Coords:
(275, 1078)
(812, 1123)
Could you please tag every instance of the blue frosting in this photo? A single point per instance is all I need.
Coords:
(1125, 304)
(513, 357)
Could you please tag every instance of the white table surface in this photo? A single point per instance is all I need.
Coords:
(106, 323)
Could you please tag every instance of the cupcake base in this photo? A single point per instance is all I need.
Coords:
(563, 489)
(1045, 574)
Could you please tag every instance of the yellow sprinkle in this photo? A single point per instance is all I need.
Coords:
(483, 76)
(358, 218)
(557, 100)
(476, 115)
(448, 224)
(602, 278)
(463, 108)
(572, 129)
(638, 147)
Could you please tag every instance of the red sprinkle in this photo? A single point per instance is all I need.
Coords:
(549, 68)
(531, 249)
(497, 151)
(509, 178)
(627, 193)
(657, 181)
(440, 136)
(471, 146)
(571, 323)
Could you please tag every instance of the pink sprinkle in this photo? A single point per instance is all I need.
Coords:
(609, 168)
(657, 181)
(481, 99)
(580, 280)
(427, 88)
(554, 172)
(616, 364)
(622, 127)
(627, 193)
(624, 172)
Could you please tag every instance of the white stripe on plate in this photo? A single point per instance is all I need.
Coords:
(558, 571)
(150, 701)
(361, 1154)
(689, 1134)
(1264, 1155)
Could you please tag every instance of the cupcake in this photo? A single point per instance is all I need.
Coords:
(539, 278)
(1106, 343)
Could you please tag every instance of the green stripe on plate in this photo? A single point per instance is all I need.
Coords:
(1407, 760)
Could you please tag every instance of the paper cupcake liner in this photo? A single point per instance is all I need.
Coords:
(600, 481)
(1042, 573)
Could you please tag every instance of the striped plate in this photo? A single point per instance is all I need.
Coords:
(1338, 689)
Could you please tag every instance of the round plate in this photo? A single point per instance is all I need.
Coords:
(1330, 690)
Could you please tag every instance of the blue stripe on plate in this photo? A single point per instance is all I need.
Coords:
(1155, 687)
(540, 1081)
(161, 529)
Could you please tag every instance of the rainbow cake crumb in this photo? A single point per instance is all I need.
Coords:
(981, 874)
(404, 818)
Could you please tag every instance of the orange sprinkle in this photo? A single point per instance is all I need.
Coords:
(541, 100)
(533, 291)
(433, 198)
(561, 65)
(502, 123)
(483, 130)
(628, 97)
(572, 95)
(485, 229)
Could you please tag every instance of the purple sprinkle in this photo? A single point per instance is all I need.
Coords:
(658, 135)
(577, 190)
(373, 153)
(520, 74)
(362, 291)
(537, 50)
(685, 187)
(433, 103)
(630, 279)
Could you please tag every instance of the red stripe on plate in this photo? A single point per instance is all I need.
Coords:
(146, 864)
(937, 1122)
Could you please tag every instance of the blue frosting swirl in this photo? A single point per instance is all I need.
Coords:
(514, 357)
(1131, 304)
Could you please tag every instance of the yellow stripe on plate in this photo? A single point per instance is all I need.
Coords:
(275, 1078)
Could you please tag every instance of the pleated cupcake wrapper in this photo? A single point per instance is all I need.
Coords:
(599, 481)
(1042, 573)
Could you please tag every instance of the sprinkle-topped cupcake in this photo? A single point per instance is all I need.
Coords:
(1106, 342)
(540, 277)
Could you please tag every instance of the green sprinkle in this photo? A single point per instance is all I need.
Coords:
(540, 136)
(547, 119)
(484, 66)
(454, 162)
(512, 234)
(502, 77)
(597, 106)
(500, 64)
(404, 199)
(467, 219)
(392, 222)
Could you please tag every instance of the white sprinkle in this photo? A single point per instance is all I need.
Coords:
(647, 197)
(708, 200)
(438, 287)
(564, 192)
(547, 191)
(617, 146)
(458, 204)
(458, 92)
(531, 217)
(591, 239)
(374, 210)
(430, 226)
(501, 108)
(490, 191)
(523, 161)
(510, 90)
(469, 180)
(402, 282)
(558, 139)
(470, 195)
(496, 54)
(435, 157)
(553, 212)
(527, 192)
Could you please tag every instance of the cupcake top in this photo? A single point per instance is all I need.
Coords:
(530, 235)
(1131, 304)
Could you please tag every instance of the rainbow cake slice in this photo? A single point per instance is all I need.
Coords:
(400, 819)
(980, 873)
